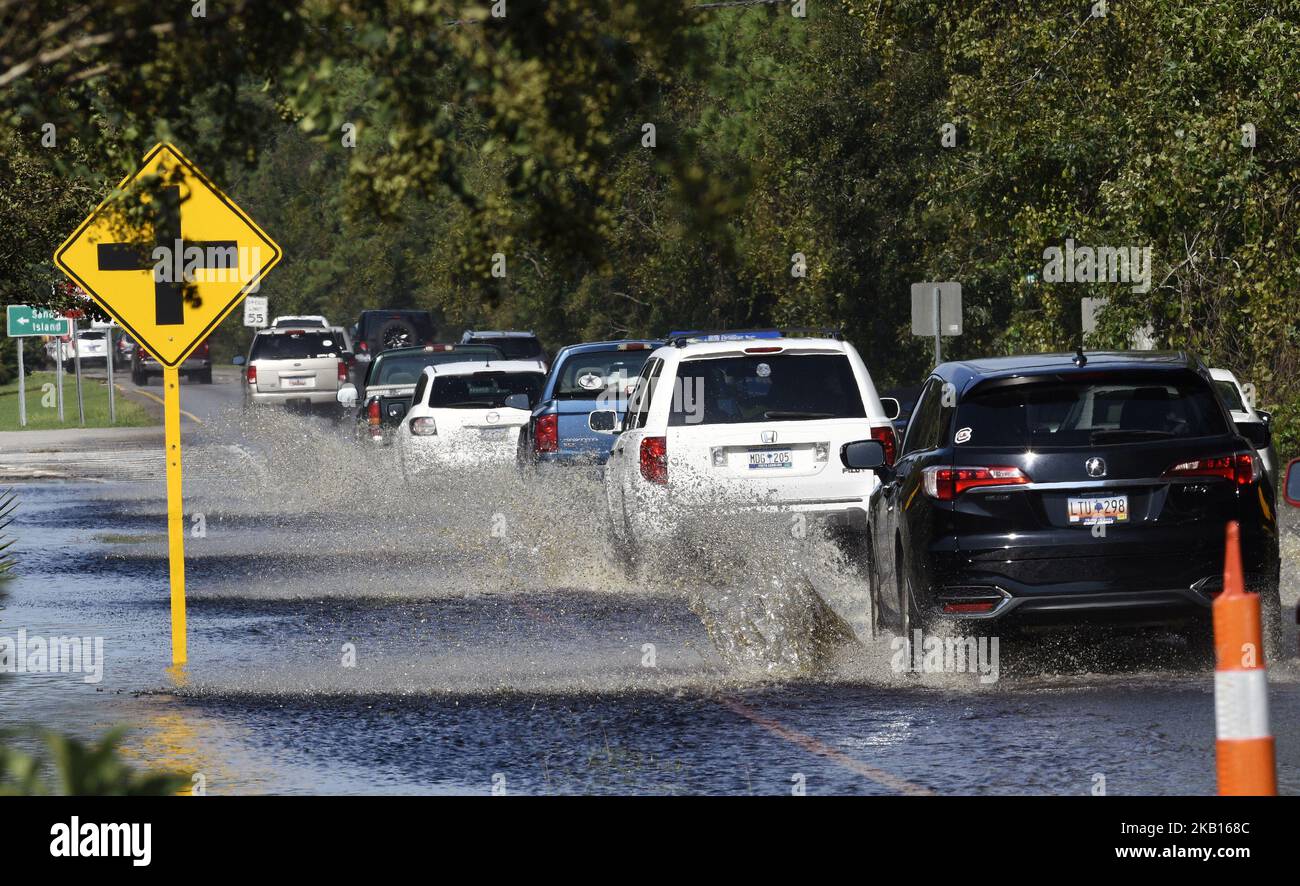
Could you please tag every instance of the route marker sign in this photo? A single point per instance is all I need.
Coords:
(23, 321)
(169, 256)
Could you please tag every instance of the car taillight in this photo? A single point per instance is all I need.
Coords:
(362, 346)
(372, 413)
(424, 427)
(887, 441)
(343, 370)
(654, 459)
(252, 375)
(1241, 467)
(546, 434)
(947, 482)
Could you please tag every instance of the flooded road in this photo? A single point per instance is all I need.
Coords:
(348, 635)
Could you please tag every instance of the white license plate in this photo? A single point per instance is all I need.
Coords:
(493, 433)
(298, 382)
(770, 458)
(1099, 509)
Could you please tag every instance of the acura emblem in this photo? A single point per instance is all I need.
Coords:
(1095, 467)
(769, 436)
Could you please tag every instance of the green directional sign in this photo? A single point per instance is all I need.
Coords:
(25, 320)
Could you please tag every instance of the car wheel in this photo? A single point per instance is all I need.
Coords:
(873, 588)
(205, 376)
(910, 618)
(1276, 649)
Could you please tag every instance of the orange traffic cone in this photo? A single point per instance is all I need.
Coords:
(1244, 746)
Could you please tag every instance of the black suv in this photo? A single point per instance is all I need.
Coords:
(1068, 489)
(379, 331)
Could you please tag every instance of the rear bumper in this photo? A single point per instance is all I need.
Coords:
(283, 398)
(571, 459)
(659, 520)
(1150, 589)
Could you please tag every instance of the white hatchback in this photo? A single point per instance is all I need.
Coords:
(748, 423)
(468, 414)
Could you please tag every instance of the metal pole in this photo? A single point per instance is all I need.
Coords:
(175, 510)
(938, 333)
(108, 365)
(76, 359)
(22, 388)
(58, 373)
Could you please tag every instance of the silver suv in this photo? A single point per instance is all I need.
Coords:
(301, 368)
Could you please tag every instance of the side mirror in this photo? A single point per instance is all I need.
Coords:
(863, 455)
(347, 396)
(1291, 490)
(1266, 416)
(603, 421)
(239, 360)
(893, 409)
(1256, 432)
(518, 401)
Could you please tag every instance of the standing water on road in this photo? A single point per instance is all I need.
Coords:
(351, 634)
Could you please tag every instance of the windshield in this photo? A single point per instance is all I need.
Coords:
(522, 347)
(588, 376)
(405, 369)
(767, 387)
(483, 390)
(1119, 409)
(296, 346)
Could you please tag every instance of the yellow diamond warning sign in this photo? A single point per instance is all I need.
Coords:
(168, 255)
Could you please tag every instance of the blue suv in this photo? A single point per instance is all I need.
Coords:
(594, 377)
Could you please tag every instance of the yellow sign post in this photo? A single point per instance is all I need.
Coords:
(168, 256)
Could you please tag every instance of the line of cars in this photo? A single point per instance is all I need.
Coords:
(1026, 492)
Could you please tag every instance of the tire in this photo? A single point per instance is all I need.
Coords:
(139, 379)
(1276, 649)
(910, 616)
(396, 334)
(204, 376)
(873, 588)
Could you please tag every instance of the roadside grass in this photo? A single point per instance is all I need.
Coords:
(46, 417)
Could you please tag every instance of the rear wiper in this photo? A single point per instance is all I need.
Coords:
(777, 414)
(1117, 434)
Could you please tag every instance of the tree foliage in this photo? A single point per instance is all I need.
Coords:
(885, 141)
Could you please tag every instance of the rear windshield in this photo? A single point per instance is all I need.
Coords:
(483, 390)
(296, 346)
(292, 322)
(1231, 396)
(588, 376)
(405, 369)
(514, 347)
(763, 387)
(1116, 409)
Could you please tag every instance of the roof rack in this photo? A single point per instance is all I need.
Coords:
(682, 338)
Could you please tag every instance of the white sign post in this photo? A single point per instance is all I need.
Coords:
(255, 310)
(936, 311)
